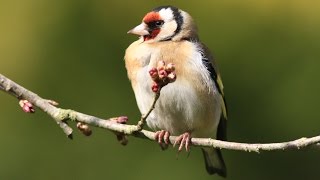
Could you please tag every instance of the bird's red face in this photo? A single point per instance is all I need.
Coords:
(154, 22)
(150, 26)
(159, 25)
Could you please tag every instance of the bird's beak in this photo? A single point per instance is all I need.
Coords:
(140, 30)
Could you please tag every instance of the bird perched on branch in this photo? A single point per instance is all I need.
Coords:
(192, 106)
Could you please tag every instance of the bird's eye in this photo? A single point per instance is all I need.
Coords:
(155, 24)
(159, 23)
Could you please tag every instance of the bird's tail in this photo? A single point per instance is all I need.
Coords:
(214, 161)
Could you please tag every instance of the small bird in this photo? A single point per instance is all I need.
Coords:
(192, 106)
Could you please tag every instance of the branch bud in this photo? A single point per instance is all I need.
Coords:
(120, 120)
(163, 74)
(170, 67)
(154, 74)
(161, 64)
(155, 87)
(26, 106)
(172, 77)
(84, 128)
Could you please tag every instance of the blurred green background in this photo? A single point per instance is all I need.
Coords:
(72, 51)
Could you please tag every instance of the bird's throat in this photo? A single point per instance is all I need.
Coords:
(152, 35)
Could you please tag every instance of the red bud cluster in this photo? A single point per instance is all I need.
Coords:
(162, 75)
(26, 106)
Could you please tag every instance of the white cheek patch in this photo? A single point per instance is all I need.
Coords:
(167, 30)
(170, 25)
(166, 14)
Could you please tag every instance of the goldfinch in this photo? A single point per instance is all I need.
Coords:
(192, 106)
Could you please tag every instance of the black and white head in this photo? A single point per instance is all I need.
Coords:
(166, 23)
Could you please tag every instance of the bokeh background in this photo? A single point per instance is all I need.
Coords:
(72, 51)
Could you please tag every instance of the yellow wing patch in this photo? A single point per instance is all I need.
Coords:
(223, 105)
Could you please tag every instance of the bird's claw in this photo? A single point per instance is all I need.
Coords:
(162, 136)
(184, 141)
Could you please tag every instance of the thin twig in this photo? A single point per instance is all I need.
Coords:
(63, 115)
(144, 117)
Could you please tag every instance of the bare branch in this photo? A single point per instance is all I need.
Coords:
(61, 116)
(20, 92)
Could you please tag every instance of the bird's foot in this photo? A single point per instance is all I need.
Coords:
(163, 138)
(184, 141)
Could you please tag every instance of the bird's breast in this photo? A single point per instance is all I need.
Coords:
(183, 105)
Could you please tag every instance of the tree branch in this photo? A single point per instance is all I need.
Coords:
(61, 116)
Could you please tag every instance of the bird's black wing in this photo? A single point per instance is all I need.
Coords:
(209, 62)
